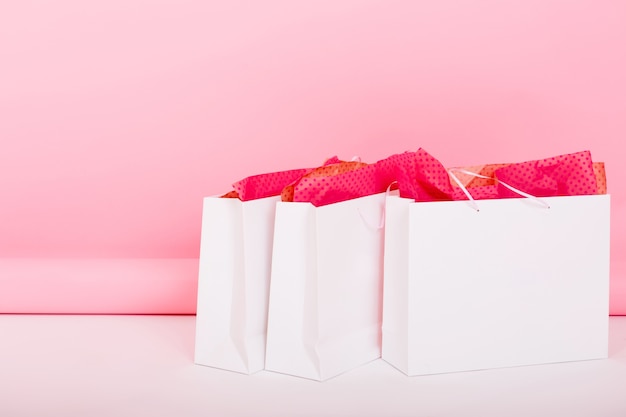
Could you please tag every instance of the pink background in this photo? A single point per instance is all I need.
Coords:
(117, 117)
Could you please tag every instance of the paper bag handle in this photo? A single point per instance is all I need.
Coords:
(471, 199)
(381, 223)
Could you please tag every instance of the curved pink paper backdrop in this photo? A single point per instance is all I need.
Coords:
(117, 117)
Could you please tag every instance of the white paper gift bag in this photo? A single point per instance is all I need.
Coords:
(233, 283)
(512, 284)
(326, 287)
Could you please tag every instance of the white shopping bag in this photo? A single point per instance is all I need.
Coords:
(233, 283)
(326, 287)
(512, 284)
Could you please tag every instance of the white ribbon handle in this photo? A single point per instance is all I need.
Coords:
(381, 223)
(473, 174)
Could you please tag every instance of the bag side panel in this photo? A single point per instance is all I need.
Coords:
(258, 230)
(291, 314)
(395, 288)
(220, 274)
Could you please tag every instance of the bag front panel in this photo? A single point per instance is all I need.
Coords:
(513, 284)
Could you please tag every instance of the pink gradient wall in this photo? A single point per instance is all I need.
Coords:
(117, 117)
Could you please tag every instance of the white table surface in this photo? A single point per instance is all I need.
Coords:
(143, 366)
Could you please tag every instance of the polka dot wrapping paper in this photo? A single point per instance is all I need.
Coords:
(471, 182)
(563, 175)
(570, 174)
(422, 177)
(270, 184)
(263, 185)
(331, 183)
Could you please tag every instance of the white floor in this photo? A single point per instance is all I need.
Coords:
(143, 366)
